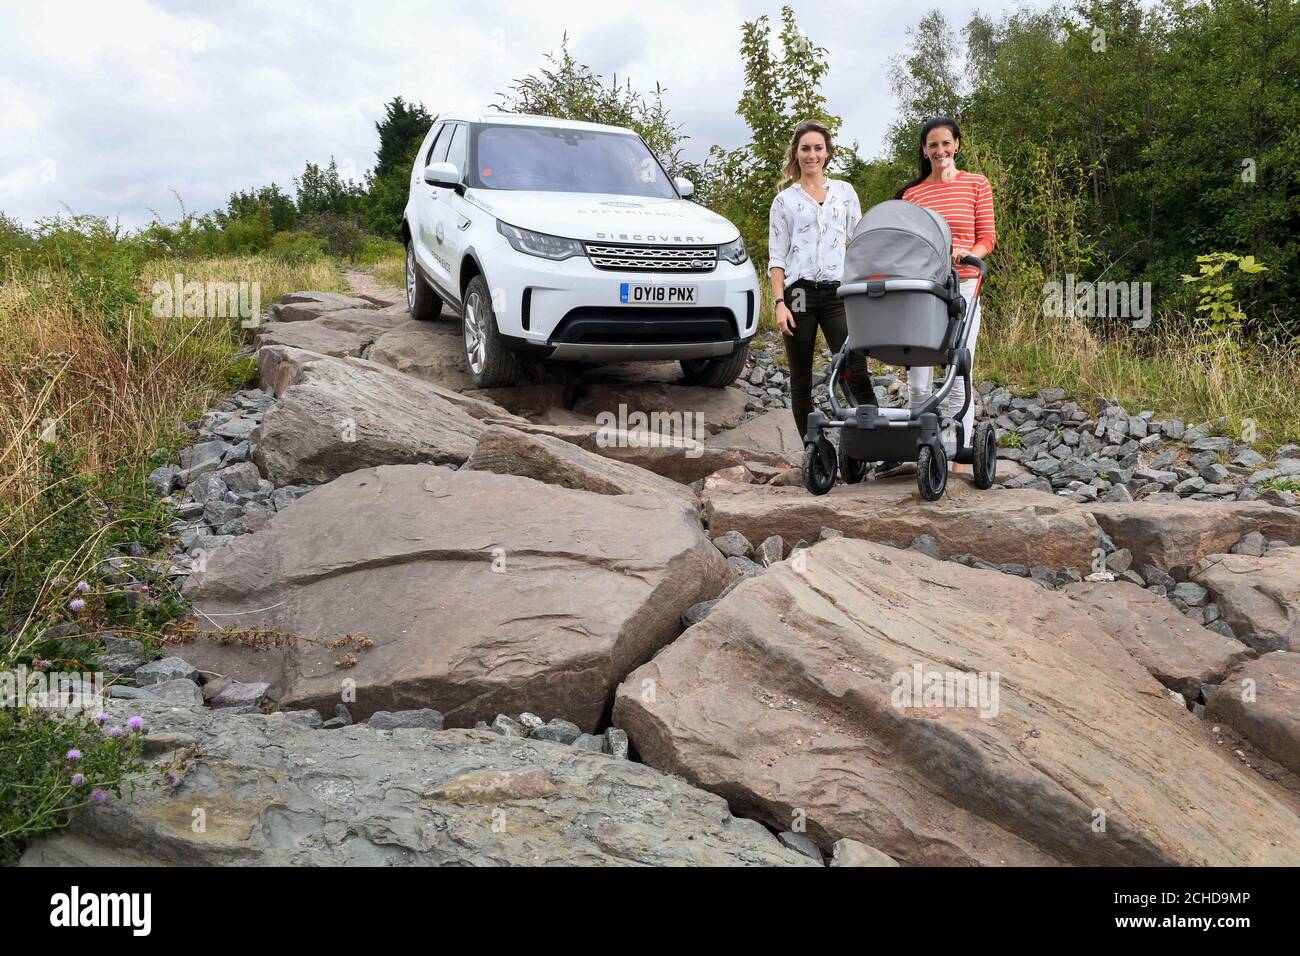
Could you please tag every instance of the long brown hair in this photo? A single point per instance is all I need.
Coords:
(928, 127)
(790, 169)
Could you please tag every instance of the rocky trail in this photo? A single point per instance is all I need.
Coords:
(437, 624)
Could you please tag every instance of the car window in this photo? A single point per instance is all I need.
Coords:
(566, 160)
(438, 150)
(456, 153)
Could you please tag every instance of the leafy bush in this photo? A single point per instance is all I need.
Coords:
(296, 247)
(51, 765)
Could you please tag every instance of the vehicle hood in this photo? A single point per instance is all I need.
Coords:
(607, 217)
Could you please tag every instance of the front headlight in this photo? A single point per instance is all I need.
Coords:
(539, 243)
(734, 251)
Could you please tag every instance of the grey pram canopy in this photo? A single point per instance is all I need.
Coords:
(900, 240)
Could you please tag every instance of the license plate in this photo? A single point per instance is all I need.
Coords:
(641, 293)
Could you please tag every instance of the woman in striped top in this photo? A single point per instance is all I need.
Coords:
(965, 201)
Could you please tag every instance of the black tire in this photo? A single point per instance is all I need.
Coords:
(715, 372)
(422, 302)
(852, 470)
(487, 359)
(932, 472)
(817, 477)
(986, 454)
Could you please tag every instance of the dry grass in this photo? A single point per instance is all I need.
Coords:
(106, 390)
(1172, 372)
(391, 271)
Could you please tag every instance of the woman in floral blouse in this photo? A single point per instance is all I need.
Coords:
(809, 227)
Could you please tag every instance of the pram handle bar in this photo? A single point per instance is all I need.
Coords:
(978, 263)
(878, 287)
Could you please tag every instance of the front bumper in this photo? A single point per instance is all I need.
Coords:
(570, 310)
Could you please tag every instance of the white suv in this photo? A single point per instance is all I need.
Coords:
(568, 241)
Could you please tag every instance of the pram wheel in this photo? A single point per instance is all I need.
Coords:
(851, 469)
(986, 454)
(932, 471)
(818, 466)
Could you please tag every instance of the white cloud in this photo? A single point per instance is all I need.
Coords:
(110, 108)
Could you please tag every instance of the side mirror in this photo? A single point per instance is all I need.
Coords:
(442, 174)
(685, 187)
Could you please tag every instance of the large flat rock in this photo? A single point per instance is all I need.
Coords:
(306, 306)
(1261, 701)
(713, 407)
(433, 351)
(1180, 654)
(483, 593)
(277, 794)
(1256, 595)
(339, 416)
(280, 366)
(313, 337)
(770, 438)
(509, 451)
(789, 699)
(682, 460)
(1171, 534)
(1022, 526)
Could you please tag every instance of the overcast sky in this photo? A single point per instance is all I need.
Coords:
(115, 107)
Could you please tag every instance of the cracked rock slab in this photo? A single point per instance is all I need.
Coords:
(483, 593)
(1261, 701)
(1256, 594)
(1176, 651)
(337, 417)
(277, 794)
(808, 691)
(1023, 527)
(1171, 534)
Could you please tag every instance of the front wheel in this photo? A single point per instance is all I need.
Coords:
(715, 372)
(818, 467)
(932, 471)
(490, 363)
(986, 454)
(422, 302)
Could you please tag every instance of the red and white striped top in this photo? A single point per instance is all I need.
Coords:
(967, 204)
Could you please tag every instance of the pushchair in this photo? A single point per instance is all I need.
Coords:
(903, 306)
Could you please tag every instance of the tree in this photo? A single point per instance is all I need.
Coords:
(779, 92)
(401, 132)
(572, 90)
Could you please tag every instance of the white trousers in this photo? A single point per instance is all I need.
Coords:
(920, 381)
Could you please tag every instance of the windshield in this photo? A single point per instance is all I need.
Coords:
(566, 160)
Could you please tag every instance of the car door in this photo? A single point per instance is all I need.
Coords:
(447, 239)
(427, 200)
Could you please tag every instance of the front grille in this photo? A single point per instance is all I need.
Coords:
(653, 258)
(595, 325)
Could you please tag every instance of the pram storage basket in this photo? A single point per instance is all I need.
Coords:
(900, 292)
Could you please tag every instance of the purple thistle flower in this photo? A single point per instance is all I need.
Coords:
(74, 755)
(78, 779)
(83, 587)
(76, 604)
(115, 731)
(135, 723)
(101, 718)
(99, 796)
(171, 779)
